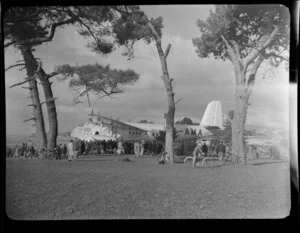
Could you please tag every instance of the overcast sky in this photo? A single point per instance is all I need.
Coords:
(197, 81)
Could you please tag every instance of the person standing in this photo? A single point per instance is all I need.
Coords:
(137, 149)
(227, 150)
(222, 150)
(204, 149)
(65, 150)
(142, 148)
(30, 148)
(120, 150)
(58, 152)
(76, 148)
(70, 150)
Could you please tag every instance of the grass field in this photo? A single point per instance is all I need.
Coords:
(103, 187)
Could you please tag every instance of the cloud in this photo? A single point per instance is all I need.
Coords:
(197, 81)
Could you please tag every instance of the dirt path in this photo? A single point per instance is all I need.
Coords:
(103, 187)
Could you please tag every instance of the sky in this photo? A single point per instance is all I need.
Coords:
(197, 81)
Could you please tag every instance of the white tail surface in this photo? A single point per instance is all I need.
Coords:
(213, 115)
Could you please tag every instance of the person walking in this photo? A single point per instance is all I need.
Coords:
(70, 150)
(197, 150)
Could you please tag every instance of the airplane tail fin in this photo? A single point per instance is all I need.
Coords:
(213, 115)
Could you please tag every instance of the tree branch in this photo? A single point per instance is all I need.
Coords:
(252, 74)
(167, 50)
(229, 49)
(29, 78)
(20, 83)
(30, 119)
(9, 43)
(277, 55)
(12, 66)
(44, 39)
(259, 48)
(236, 48)
(177, 101)
(52, 74)
(157, 39)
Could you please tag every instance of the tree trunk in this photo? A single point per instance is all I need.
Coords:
(168, 85)
(238, 124)
(50, 103)
(170, 125)
(31, 67)
(51, 108)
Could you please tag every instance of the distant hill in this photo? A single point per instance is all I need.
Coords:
(145, 121)
(186, 121)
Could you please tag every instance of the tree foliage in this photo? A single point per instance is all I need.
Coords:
(245, 27)
(185, 121)
(107, 26)
(97, 79)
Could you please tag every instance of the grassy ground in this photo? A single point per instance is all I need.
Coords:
(104, 187)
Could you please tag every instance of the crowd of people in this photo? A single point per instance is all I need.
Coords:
(29, 150)
(84, 148)
(78, 147)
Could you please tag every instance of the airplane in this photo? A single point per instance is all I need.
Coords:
(211, 123)
(104, 128)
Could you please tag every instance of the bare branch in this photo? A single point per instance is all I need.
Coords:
(21, 83)
(15, 65)
(167, 50)
(82, 93)
(30, 119)
(52, 74)
(87, 95)
(177, 101)
(27, 87)
(259, 48)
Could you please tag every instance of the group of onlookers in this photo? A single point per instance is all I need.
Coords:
(220, 149)
(29, 150)
(120, 146)
(24, 150)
